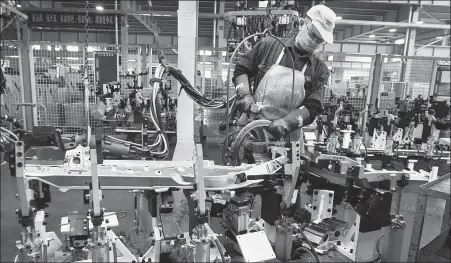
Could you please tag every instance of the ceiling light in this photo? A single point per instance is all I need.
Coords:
(420, 22)
(392, 30)
(399, 41)
(372, 36)
(100, 8)
(439, 37)
(339, 17)
(18, 6)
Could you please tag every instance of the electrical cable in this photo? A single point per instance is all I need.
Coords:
(418, 149)
(13, 120)
(312, 254)
(10, 133)
(162, 226)
(377, 246)
(301, 231)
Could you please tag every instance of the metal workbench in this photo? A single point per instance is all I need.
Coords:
(440, 189)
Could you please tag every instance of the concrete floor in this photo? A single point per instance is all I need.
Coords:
(64, 203)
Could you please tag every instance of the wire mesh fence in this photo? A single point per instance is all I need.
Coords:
(10, 66)
(405, 78)
(59, 71)
(59, 86)
(213, 69)
(349, 79)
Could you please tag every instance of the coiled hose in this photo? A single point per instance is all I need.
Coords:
(242, 135)
(267, 31)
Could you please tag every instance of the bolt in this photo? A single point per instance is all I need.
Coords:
(328, 210)
(314, 208)
(330, 194)
(316, 192)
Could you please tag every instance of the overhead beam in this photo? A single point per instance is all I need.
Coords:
(5, 6)
(120, 12)
(410, 2)
(433, 16)
(391, 24)
(362, 11)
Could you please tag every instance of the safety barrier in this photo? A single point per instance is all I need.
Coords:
(58, 69)
(407, 78)
(10, 65)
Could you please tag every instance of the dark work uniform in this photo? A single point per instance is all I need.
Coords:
(259, 60)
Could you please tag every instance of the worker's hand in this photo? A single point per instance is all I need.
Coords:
(245, 103)
(278, 128)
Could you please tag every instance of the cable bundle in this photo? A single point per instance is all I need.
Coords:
(195, 94)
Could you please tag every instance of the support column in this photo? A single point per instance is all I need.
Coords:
(124, 36)
(144, 54)
(376, 83)
(27, 80)
(221, 42)
(409, 45)
(187, 34)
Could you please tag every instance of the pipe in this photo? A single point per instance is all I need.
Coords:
(406, 37)
(390, 24)
(214, 25)
(116, 40)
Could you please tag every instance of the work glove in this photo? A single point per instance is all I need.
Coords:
(293, 121)
(246, 103)
(278, 128)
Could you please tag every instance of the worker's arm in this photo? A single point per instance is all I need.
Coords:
(305, 114)
(247, 67)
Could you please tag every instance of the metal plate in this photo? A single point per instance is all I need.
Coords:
(255, 247)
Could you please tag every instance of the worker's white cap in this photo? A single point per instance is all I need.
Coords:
(323, 18)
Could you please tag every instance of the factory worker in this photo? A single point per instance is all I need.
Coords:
(269, 66)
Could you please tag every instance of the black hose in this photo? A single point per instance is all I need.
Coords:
(310, 245)
(221, 253)
(11, 119)
(310, 252)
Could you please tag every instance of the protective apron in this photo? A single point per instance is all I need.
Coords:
(274, 92)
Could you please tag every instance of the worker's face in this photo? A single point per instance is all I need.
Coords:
(308, 38)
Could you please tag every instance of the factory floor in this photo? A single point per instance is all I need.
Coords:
(64, 203)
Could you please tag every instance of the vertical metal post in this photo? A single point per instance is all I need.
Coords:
(377, 75)
(417, 229)
(150, 61)
(368, 101)
(199, 177)
(187, 34)
(144, 54)
(95, 184)
(409, 43)
(406, 46)
(116, 37)
(26, 71)
(221, 43)
(214, 24)
(433, 78)
(204, 59)
(124, 37)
